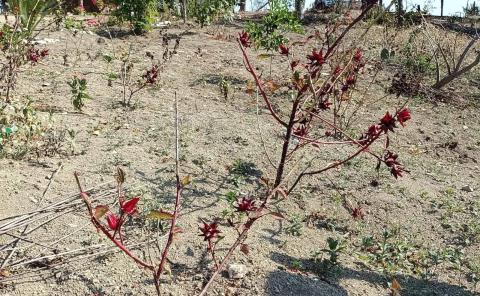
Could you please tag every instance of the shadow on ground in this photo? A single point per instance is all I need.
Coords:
(285, 282)
(215, 79)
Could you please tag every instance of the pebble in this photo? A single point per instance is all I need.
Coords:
(237, 271)
(467, 188)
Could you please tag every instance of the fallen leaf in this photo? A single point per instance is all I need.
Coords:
(186, 180)
(395, 287)
(265, 55)
(277, 215)
(4, 273)
(250, 87)
(245, 249)
(120, 176)
(272, 85)
(159, 215)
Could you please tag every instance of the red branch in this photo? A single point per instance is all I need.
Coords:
(99, 225)
(259, 85)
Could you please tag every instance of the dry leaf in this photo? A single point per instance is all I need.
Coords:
(265, 55)
(250, 87)
(272, 85)
(186, 180)
(120, 176)
(277, 215)
(100, 211)
(264, 181)
(395, 287)
(245, 249)
(159, 215)
(4, 273)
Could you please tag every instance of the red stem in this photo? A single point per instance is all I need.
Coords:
(308, 140)
(239, 240)
(243, 234)
(171, 233)
(99, 225)
(331, 48)
(259, 85)
(289, 127)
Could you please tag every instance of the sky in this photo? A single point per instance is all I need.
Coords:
(451, 7)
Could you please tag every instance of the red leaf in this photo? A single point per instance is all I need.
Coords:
(112, 221)
(130, 206)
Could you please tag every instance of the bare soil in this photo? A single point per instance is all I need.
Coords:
(439, 147)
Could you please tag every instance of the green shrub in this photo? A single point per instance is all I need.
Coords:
(78, 88)
(139, 13)
(416, 57)
(379, 16)
(211, 10)
(20, 127)
(270, 32)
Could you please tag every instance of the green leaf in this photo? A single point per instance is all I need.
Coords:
(385, 54)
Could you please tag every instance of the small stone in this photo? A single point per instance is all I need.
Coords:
(100, 40)
(467, 188)
(237, 271)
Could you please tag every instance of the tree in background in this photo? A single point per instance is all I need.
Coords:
(299, 5)
(242, 4)
(400, 11)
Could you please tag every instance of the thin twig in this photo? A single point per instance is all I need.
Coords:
(10, 254)
(179, 188)
(52, 177)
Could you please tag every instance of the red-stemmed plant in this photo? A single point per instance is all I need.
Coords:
(312, 96)
(110, 222)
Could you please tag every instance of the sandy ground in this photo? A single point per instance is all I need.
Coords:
(215, 132)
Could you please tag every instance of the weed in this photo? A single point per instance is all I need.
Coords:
(333, 250)
(140, 14)
(78, 88)
(205, 12)
(296, 226)
(224, 86)
(71, 23)
(243, 168)
(474, 268)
